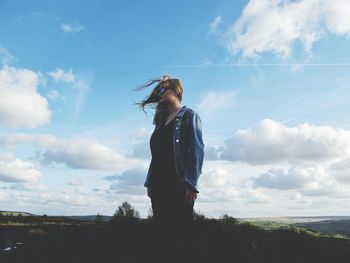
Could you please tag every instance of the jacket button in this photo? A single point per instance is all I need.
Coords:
(177, 140)
(177, 119)
(177, 128)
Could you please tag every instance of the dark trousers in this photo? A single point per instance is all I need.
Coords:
(173, 222)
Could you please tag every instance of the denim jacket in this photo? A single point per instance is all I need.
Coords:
(188, 148)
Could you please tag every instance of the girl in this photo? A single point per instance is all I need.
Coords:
(177, 157)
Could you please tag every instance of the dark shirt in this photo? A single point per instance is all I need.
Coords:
(164, 171)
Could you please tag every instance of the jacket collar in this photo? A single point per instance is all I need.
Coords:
(182, 111)
(179, 114)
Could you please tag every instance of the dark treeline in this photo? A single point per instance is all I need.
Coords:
(128, 238)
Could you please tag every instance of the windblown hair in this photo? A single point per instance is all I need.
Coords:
(161, 113)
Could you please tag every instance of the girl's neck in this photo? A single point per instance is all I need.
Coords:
(174, 108)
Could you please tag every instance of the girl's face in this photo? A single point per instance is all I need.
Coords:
(169, 96)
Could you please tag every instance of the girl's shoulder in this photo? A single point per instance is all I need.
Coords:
(190, 112)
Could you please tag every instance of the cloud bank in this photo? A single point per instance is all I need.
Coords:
(277, 25)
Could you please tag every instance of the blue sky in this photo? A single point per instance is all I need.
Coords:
(269, 80)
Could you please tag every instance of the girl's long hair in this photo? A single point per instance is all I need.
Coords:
(161, 113)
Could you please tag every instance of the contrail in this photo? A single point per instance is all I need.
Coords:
(252, 64)
(320, 104)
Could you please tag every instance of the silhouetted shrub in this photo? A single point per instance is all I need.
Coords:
(150, 213)
(125, 212)
(198, 216)
(98, 218)
(228, 220)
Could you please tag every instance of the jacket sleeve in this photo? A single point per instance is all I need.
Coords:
(194, 152)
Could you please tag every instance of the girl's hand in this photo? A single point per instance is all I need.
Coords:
(190, 195)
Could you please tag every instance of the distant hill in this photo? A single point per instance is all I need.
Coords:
(81, 218)
(89, 218)
(16, 213)
(339, 226)
(294, 219)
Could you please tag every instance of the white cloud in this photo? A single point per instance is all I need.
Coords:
(215, 101)
(68, 201)
(297, 197)
(140, 134)
(71, 28)
(141, 150)
(80, 84)
(225, 183)
(76, 153)
(129, 182)
(309, 181)
(28, 186)
(5, 197)
(276, 25)
(211, 152)
(327, 188)
(10, 141)
(291, 178)
(218, 177)
(341, 170)
(21, 104)
(73, 198)
(75, 182)
(16, 170)
(213, 26)
(60, 75)
(272, 142)
(337, 15)
(6, 57)
(54, 95)
(41, 140)
(254, 196)
(83, 154)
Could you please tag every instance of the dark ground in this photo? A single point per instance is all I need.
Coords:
(133, 241)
